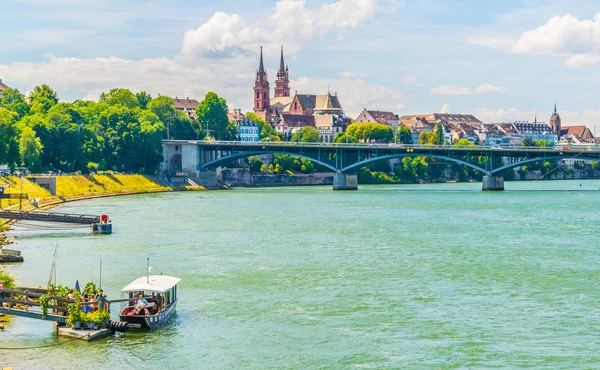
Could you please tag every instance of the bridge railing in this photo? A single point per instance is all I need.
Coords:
(261, 144)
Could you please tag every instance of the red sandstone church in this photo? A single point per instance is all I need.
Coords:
(290, 113)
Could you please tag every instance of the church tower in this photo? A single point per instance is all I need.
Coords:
(282, 84)
(555, 122)
(261, 91)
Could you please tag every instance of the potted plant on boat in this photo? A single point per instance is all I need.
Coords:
(91, 319)
(103, 317)
(75, 318)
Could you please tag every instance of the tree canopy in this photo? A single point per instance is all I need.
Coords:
(212, 115)
(370, 132)
(122, 131)
(307, 135)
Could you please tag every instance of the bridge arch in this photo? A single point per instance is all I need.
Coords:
(537, 159)
(355, 167)
(236, 156)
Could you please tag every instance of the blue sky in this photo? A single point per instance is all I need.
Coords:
(500, 60)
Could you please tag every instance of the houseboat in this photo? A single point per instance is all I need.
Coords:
(151, 301)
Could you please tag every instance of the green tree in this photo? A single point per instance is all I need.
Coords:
(344, 137)
(528, 142)
(177, 123)
(427, 137)
(404, 135)
(9, 148)
(267, 132)
(255, 163)
(463, 142)
(143, 99)
(307, 134)
(30, 147)
(42, 98)
(122, 97)
(14, 101)
(439, 133)
(212, 115)
(543, 143)
(370, 131)
(232, 132)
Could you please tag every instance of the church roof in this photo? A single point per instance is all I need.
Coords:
(281, 103)
(319, 102)
(296, 120)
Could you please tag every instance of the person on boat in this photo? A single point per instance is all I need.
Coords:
(70, 295)
(26, 300)
(141, 305)
(86, 307)
(101, 299)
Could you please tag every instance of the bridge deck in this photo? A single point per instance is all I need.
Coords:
(33, 315)
(50, 217)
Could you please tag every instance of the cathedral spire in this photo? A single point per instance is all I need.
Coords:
(261, 66)
(554, 107)
(281, 63)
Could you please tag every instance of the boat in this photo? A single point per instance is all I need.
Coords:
(160, 291)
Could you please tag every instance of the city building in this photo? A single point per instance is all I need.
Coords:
(2, 87)
(456, 126)
(287, 124)
(386, 118)
(187, 105)
(248, 130)
(536, 131)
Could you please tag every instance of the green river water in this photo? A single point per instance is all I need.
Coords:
(398, 277)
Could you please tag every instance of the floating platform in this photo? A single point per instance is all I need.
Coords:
(83, 334)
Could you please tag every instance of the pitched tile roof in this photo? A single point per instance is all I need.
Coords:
(581, 131)
(186, 103)
(3, 86)
(319, 102)
(296, 120)
(382, 117)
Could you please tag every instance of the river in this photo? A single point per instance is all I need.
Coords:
(410, 276)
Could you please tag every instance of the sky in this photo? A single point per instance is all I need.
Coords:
(500, 60)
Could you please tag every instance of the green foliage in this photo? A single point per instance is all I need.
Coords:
(30, 148)
(9, 148)
(44, 302)
(543, 143)
(284, 163)
(366, 176)
(122, 97)
(232, 133)
(404, 135)
(439, 134)
(528, 142)
(428, 137)
(344, 138)
(266, 131)
(255, 163)
(594, 165)
(143, 99)
(9, 280)
(307, 135)
(370, 131)
(212, 114)
(463, 142)
(42, 98)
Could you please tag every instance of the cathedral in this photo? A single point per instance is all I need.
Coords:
(290, 113)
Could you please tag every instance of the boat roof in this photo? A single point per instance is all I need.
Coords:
(154, 283)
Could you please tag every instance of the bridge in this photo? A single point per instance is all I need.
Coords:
(98, 226)
(198, 159)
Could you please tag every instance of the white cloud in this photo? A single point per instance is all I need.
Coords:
(459, 90)
(223, 36)
(411, 80)
(487, 88)
(445, 108)
(578, 39)
(451, 90)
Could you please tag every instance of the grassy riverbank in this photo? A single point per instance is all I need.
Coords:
(76, 187)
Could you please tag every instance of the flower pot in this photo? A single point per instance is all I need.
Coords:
(91, 325)
(77, 325)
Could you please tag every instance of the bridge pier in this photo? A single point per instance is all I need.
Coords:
(345, 181)
(492, 183)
